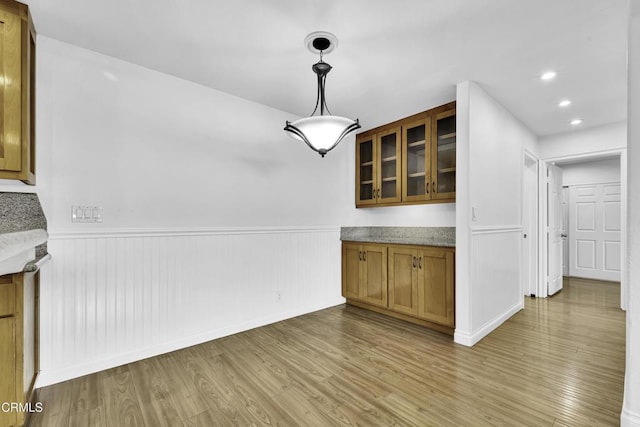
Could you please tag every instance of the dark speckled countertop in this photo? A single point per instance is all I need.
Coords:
(424, 236)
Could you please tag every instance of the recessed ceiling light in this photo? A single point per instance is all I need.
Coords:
(576, 121)
(548, 75)
(564, 103)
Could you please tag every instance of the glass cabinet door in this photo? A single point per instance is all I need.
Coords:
(389, 152)
(365, 177)
(444, 160)
(416, 160)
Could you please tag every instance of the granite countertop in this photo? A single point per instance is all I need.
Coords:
(424, 236)
(23, 212)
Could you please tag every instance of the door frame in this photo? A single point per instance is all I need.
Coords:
(542, 216)
(532, 262)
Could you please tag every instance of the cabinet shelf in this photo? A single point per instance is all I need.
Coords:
(370, 163)
(416, 143)
(388, 159)
(416, 175)
(391, 178)
(367, 182)
(447, 135)
(445, 147)
(447, 170)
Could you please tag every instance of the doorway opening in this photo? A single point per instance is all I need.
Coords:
(582, 221)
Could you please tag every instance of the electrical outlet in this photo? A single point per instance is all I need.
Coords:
(81, 213)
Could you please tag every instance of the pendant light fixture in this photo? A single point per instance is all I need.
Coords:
(321, 132)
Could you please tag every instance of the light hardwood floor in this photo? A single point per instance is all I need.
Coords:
(558, 362)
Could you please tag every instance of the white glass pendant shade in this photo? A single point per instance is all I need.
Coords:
(321, 133)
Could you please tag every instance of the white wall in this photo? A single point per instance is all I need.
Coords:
(631, 406)
(488, 244)
(155, 150)
(210, 212)
(592, 172)
(600, 139)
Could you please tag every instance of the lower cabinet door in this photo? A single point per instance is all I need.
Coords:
(373, 280)
(436, 299)
(351, 265)
(403, 280)
(7, 369)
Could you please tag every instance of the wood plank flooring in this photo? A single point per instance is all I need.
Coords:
(559, 362)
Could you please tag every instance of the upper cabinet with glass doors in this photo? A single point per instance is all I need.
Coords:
(409, 161)
(444, 158)
(378, 167)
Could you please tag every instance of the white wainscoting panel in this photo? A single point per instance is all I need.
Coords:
(496, 288)
(109, 298)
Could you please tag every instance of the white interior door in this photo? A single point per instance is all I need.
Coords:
(554, 229)
(530, 225)
(595, 219)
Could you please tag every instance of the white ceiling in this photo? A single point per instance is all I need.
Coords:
(394, 58)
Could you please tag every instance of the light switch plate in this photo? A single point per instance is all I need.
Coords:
(83, 213)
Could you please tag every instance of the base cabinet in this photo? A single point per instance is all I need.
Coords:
(18, 345)
(403, 280)
(436, 299)
(364, 273)
(419, 286)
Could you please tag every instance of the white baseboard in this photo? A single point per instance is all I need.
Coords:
(470, 339)
(629, 419)
(49, 377)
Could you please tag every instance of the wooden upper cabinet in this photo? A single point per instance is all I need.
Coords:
(409, 161)
(365, 171)
(388, 165)
(416, 160)
(17, 97)
(378, 166)
(444, 160)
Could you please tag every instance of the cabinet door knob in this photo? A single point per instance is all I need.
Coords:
(364, 255)
(420, 262)
(360, 255)
(433, 186)
(378, 193)
(413, 262)
(427, 186)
